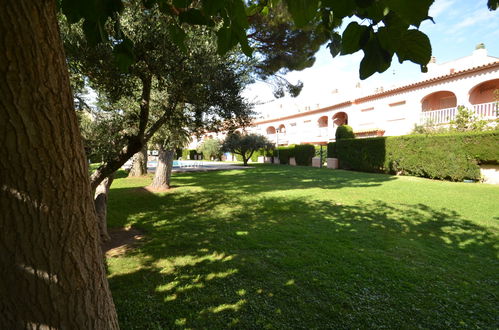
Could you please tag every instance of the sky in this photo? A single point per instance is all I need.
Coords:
(459, 26)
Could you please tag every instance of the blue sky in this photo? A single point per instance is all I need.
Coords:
(459, 26)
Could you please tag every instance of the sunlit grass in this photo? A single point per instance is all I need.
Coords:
(293, 247)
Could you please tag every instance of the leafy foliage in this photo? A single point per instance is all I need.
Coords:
(389, 26)
(304, 154)
(331, 150)
(211, 148)
(344, 132)
(285, 153)
(449, 156)
(245, 144)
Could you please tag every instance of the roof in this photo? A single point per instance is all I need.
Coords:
(385, 93)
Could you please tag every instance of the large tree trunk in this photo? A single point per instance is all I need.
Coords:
(100, 201)
(139, 163)
(51, 264)
(164, 169)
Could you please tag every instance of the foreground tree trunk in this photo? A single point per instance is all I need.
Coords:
(139, 163)
(164, 169)
(100, 201)
(51, 264)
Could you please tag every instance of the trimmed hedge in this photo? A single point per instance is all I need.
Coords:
(331, 150)
(304, 154)
(344, 132)
(285, 153)
(185, 154)
(193, 153)
(452, 157)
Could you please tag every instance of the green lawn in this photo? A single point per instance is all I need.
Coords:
(293, 247)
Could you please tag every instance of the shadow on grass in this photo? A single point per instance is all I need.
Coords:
(214, 260)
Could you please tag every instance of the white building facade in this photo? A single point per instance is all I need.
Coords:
(472, 81)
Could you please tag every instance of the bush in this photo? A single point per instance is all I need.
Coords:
(344, 132)
(450, 156)
(285, 153)
(331, 150)
(304, 154)
(185, 154)
(193, 153)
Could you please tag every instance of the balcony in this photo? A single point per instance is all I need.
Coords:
(484, 111)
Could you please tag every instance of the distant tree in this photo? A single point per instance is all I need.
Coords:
(211, 148)
(245, 144)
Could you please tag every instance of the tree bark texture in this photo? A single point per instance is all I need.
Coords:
(100, 201)
(51, 265)
(139, 163)
(164, 169)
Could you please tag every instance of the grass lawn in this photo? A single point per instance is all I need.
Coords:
(294, 247)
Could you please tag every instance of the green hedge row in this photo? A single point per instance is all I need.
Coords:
(192, 153)
(304, 154)
(448, 156)
(331, 150)
(285, 153)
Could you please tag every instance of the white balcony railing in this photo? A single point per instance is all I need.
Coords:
(438, 116)
(484, 111)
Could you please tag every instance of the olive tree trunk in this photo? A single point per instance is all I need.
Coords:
(100, 201)
(139, 163)
(51, 265)
(164, 169)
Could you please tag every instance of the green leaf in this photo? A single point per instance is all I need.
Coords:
(124, 55)
(354, 38)
(376, 59)
(414, 46)
(302, 11)
(211, 7)
(178, 35)
(493, 4)
(340, 8)
(225, 40)
(194, 17)
(335, 44)
(413, 12)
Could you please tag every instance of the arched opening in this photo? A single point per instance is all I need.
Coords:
(340, 118)
(486, 92)
(282, 129)
(323, 121)
(484, 97)
(271, 130)
(438, 101)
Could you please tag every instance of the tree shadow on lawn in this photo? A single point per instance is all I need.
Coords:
(283, 177)
(297, 263)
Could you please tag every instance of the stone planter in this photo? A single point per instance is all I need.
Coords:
(267, 160)
(332, 163)
(490, 173)
(276, 160)
(261, 159)
(292, 161)
(316, 162)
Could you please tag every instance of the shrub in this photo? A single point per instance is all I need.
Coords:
(304, 154)
(449, 156)
(344, 132)
(285, 153)
(185, 154)
(193, 153)
(331, 150)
